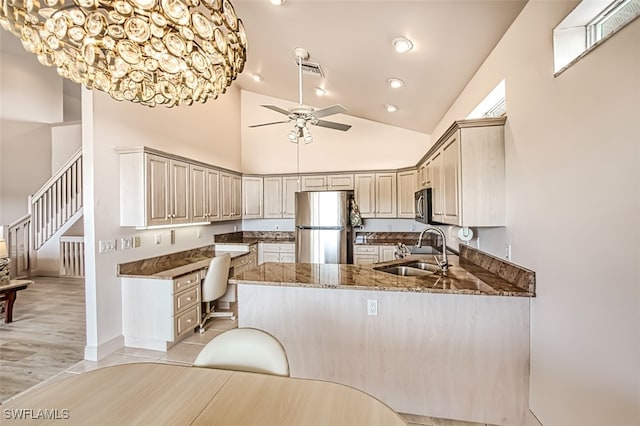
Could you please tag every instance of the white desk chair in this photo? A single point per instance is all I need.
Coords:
(245, 349)
(214, 287)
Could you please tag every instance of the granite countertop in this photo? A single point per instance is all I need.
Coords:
(463, 277)
(168, 267)
(252, 237)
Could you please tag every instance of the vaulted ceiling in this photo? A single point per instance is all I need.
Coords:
(352, 41)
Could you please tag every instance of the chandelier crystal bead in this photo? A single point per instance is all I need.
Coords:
(153, 52)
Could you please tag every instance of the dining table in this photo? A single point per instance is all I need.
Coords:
(157, 394)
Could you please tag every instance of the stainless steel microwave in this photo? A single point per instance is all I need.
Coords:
(423, 205)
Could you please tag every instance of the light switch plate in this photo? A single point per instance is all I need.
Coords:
(107, 245)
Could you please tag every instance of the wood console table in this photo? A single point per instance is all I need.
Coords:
(8, 293)
(149, 393)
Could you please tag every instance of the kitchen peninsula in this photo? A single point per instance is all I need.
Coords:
(452, 345)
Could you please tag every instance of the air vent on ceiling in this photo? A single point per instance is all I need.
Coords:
(312, 68)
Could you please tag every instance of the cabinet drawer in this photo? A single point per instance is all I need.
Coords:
(186, 281)
(280, 248)
(186, 322)
(186, 298)
(241, 261)
(365, 249)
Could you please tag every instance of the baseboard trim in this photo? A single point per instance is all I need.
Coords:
(96, 353)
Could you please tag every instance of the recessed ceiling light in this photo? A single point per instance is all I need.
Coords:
(402, 44)
(277, 2)
(256, 77)
(320, 91)
(390, 108)
(395, 82)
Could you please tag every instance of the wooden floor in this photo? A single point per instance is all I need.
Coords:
(46, 340)
(47, 334)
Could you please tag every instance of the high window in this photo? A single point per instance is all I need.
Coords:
(589, 25)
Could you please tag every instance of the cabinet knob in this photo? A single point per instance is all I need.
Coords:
(189, 321)
(188, 299)
(188, 281)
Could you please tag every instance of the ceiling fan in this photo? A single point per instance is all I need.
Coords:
(302, 114)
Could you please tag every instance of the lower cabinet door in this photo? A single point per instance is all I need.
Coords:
(186, 322)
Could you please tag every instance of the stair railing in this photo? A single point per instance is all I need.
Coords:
(58, 199)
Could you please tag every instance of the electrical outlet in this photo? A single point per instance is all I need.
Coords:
(507, 252)
(172, 236)
(157, 238)
(372, 307)
(107, 245)
(136, 241)
(126, 243)
(198, 233)
(277, 227)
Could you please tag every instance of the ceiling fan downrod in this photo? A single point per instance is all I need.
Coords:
(301, 54)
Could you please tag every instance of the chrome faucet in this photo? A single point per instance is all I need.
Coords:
(442, 263)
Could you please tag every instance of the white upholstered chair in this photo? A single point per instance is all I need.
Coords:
(245, 349)
(214, 287)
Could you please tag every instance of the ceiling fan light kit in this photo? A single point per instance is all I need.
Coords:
(302, 114)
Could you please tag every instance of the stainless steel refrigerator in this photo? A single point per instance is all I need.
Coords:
(323, 234)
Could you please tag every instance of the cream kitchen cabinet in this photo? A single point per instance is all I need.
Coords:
(406, 194)
(469, 175)
(252, 190)
(276, 252)
(375, 194)
(156, 313)
(333, 182)
(279, 196)
(205, 194)
(424, 175)
(230, 195)
(368, 254)
(154, 189)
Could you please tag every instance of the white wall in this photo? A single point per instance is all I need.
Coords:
(66, 140)
(368, 145)
(573, 203)
(30, 98)
(209, 133)
(30, 91)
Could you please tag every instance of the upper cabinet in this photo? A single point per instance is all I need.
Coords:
(279, 196)
(468, 174)
(252, 187)
(375, 194)
(334, 182)
(154, 190)
(406, 192)
(205, 194)
(231, 195)
(162, 189)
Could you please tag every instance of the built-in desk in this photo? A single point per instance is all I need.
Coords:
(161, 296)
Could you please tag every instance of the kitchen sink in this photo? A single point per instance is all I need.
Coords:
(423, 266)
(406, 271)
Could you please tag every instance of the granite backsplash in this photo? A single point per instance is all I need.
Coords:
(517, 275)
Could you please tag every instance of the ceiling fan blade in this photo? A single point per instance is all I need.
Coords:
(276, 109)
(334, 109)
(332, 125)
(269, 124)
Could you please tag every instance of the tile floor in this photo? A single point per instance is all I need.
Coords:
(26, 342)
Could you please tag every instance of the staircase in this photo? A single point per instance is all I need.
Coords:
(51, 209)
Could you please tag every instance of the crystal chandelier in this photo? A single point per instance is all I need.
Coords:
(168, 52)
